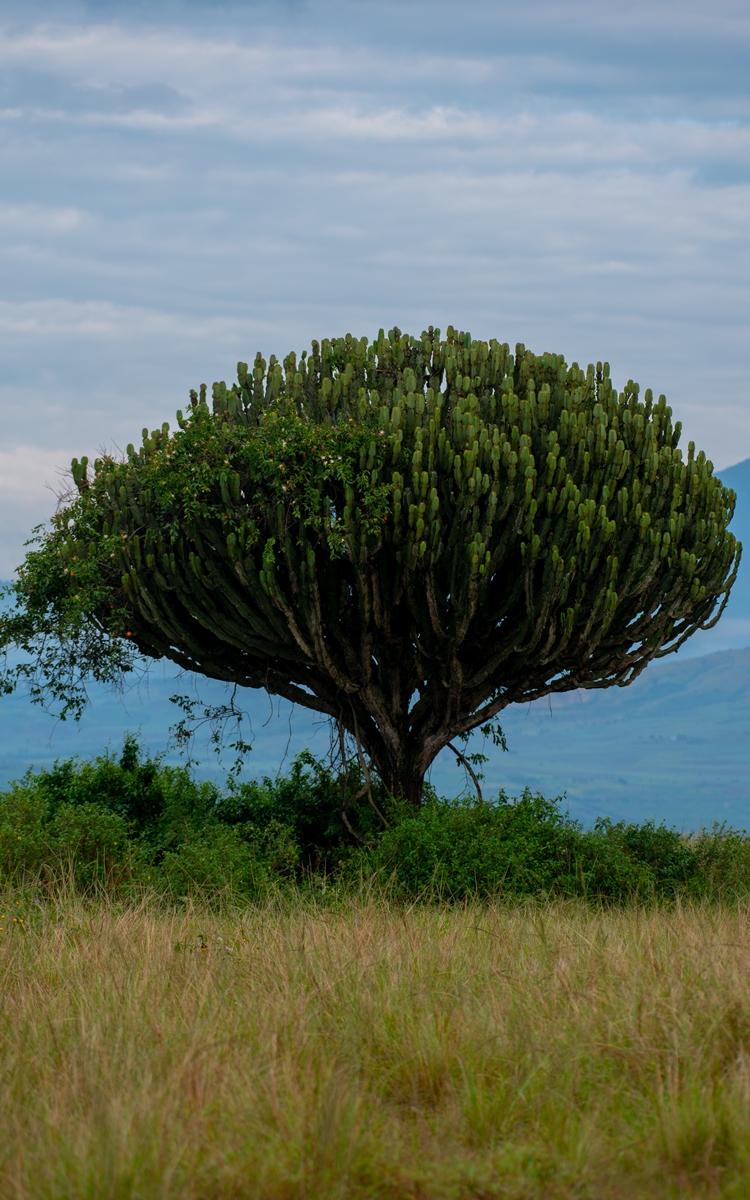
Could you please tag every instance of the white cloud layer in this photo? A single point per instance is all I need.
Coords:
(183, 186)
(30, 476)
(31, 479)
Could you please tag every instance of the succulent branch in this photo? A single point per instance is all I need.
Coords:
(407, 536)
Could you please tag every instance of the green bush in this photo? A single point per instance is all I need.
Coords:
(101, 821)
(123, 821)
(606, 871)
(161, 805)
(275, 846)
(664, 863)
(463, 848)
(460, 849)
(90, 844)
(215, 864)
(723, 857)
(307, 801)
(23, 817)
(86, 843)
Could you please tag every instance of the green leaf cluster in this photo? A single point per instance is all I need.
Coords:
(459, 850)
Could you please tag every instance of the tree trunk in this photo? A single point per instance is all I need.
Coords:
(405, 786)
(403, 773)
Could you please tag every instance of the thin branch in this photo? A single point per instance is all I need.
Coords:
(468, 767)
(366, 770)
(347, 803)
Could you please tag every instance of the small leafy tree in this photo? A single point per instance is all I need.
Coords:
(407, 536)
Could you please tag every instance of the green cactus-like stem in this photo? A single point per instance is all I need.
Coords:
(407, 536)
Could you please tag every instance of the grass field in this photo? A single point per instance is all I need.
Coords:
(299, 1050)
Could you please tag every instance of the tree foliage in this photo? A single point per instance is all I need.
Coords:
(407, 536)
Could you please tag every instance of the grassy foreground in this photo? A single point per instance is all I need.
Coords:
(295, 1050)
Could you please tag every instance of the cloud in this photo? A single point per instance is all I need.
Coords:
(500, 102)
(31, 476)
(38, 93)
(64, 319)
(31, 479)
(186, 184)
(39, 219)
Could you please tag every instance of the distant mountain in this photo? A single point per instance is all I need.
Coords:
(674, 745)
(738, 478)
(733, 630)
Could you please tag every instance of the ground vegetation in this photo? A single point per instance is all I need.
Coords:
(546, 1051)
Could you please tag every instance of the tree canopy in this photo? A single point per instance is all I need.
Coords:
(406, 536)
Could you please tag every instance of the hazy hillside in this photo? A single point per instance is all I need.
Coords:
(675, 744)
(738, 478)
(733, 631)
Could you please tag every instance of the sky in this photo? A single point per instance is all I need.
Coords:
(182, 185)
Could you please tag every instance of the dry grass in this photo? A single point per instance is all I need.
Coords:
(368, 1052)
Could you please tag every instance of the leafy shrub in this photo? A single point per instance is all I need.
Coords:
(459, 849)
(90, 842)
(85, 842)
(723, 857)
(215, 864)
(115, 820)
(606, 871)
(664, 863)
(307, 801)
(161, 805)
(23, 817)
(456, 849)
(275, 846)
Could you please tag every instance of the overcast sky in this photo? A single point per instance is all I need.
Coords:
(183, 184)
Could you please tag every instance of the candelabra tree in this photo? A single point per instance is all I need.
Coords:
(406, 536)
